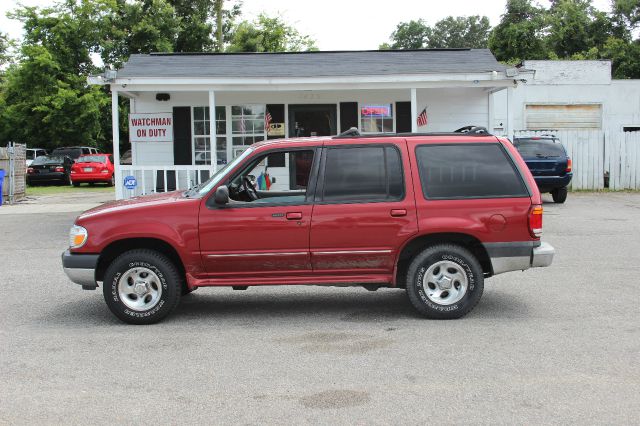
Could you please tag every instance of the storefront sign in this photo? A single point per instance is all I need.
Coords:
(153, 127)
(376, 110)
(275, 129)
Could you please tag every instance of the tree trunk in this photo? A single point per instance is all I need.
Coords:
(218, 11)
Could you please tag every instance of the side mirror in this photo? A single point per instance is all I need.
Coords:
(221, 196)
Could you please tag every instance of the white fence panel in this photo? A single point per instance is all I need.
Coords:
(586, 148)
(155, 179)
(623, 155)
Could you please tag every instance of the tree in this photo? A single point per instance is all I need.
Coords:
(448, 33)
(44, 107)
(409, 35)
(460, 32)
(628, 10)
(520, 33)
(268, 34)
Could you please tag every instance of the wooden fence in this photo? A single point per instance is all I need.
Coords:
(600, 159)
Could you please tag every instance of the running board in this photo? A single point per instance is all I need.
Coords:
(324, 280)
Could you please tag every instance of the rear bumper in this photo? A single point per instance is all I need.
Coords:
(549, 183)
(519, 255)
(81, 268)
(47, 177)
(91, 177)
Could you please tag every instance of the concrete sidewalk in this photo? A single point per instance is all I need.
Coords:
(58, 203)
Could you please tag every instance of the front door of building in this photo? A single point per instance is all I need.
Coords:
(312, 120)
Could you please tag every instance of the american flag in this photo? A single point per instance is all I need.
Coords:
(267, 121)
(422, 118)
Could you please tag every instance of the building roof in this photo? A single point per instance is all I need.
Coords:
(310, 64)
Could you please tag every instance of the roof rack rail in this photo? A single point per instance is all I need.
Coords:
(351, 132)
(467, 131)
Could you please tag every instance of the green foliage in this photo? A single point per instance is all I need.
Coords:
(520, 33)
(451, 32)
(269, 34)
(461, 31)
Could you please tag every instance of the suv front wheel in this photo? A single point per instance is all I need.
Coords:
(142, 286)
(445, 282)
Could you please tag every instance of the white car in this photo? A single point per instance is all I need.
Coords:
(33, 153)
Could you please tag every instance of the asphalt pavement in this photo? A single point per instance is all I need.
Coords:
(552, 345)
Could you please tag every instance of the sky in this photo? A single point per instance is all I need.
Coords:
(339, 24)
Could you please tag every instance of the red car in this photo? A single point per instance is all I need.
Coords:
(432, 214)
(93, 168)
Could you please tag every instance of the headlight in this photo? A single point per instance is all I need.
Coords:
(77, 236)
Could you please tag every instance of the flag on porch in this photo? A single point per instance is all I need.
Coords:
(267, 121)
(422, 118)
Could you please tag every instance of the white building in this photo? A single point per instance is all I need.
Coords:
(305, 94)
(571, 95)
(325, 93)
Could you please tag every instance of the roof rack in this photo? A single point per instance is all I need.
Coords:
(467, 131)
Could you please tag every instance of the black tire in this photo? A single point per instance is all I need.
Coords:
(468, 267)
(559, 195)
(112, 181)
(165, 271)
(76, 184)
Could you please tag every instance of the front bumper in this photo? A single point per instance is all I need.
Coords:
(81, 268)
(519, 255)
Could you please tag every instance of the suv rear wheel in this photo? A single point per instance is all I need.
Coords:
(142, 286)
(445, 282)
(559, 195)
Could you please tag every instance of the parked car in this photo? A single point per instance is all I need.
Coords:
(49, 168)
(33, 153)
(126, 158)
(433, 214)
(94, 168)
(74, 152)
(548, 162)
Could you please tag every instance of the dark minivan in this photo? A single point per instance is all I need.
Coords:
(548, 162)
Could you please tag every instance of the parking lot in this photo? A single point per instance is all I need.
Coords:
(554, 345)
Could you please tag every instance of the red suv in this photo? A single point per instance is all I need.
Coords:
(435, 214)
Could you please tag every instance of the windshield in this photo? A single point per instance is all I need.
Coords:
(92, 159)
(207, 185)
(539, 148)
(47, 160)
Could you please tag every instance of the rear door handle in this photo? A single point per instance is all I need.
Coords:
(294, 216)
(398, 212)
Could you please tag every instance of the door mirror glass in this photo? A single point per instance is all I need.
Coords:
(221, 196)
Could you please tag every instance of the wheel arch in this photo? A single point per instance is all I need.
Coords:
(421, 242)
(116, 248)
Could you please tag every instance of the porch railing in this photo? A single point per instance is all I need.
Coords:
(155, 179)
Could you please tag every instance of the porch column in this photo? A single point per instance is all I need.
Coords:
(510, 106)
(213, 135)
(414, 111)
(115, 128)
(490, 112)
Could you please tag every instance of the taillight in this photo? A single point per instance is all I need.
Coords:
(30, 170)
(60, 169)
(569, 164)
(535, 221)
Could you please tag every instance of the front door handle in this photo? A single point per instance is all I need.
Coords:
(398, 212)
(294, 216)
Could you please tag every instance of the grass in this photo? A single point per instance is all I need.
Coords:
(66, 189)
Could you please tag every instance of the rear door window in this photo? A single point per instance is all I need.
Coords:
(363, 173)
(456, 171)
(539, 148)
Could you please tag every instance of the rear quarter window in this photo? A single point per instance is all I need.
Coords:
(456, 171)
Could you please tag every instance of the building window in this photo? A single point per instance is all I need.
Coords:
(376, 118)
(202, 135)
(247, 126)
